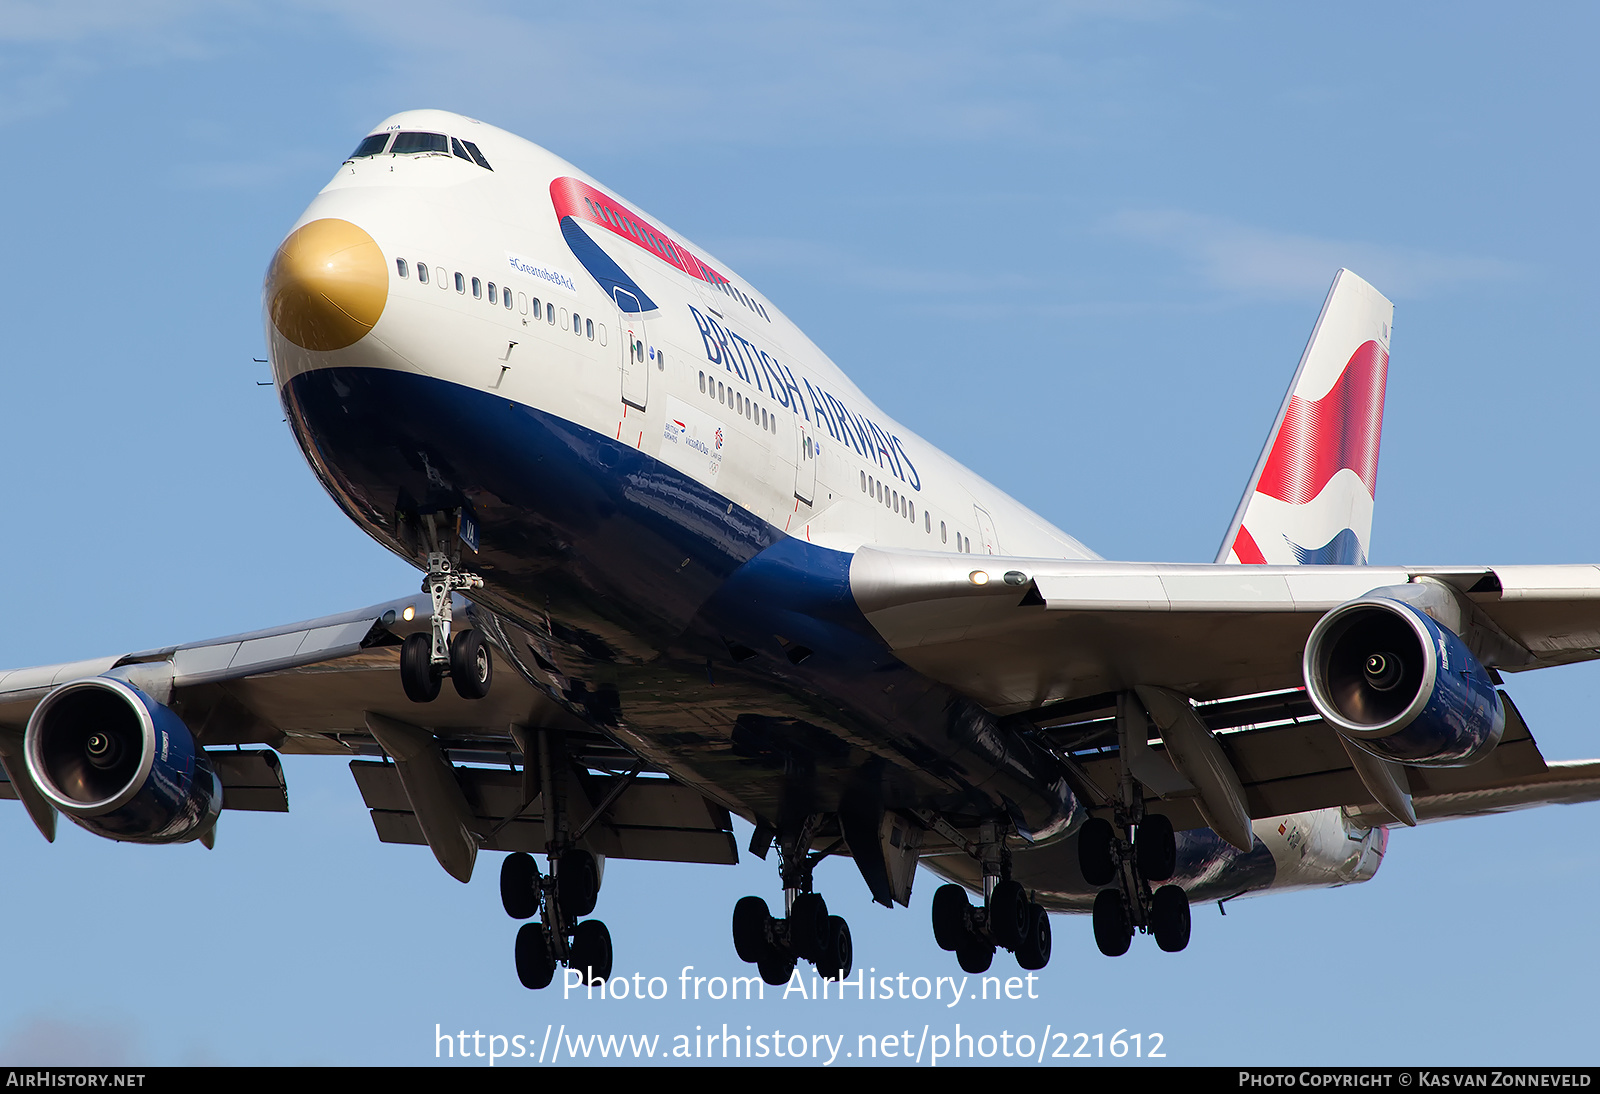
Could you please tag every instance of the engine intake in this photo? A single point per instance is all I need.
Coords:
(120, 764)
(1397, 684)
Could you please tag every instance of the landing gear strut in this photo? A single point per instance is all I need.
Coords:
(1009, 919)
(425, 659)
(1123, 858)
(806, 932)
(565, 894)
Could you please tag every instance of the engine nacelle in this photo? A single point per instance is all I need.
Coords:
(120, 764)
(1397, 684)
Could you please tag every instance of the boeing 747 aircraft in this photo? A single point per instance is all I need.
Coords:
(678, 567)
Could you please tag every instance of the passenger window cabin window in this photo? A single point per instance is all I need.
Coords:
(564, 319)
(400, 267)
(522, 303)
(422, 272)
(722, 396)
(927, 522)
(588, 328)
(863, 482)
(661, 361)
(477, 289)
(577, 325)
(550, 314)
(943, 535)
(444, 275)
(536, 312)
(461, 283)
(602, 334)
(493, 299)
(702, 382)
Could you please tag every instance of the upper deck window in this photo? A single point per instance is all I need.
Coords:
(420, 142)
(371, 146)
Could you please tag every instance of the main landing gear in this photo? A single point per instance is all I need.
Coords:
(425, 659)
(1128, 868)
(566, 894)
(806, 932)
(1009, 919)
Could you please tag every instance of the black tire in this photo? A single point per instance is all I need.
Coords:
(975, 955)
(471, 667)
(1008, 914)
(950, 909)
(1034, 953)
(591, 950)
(1094, 851)
(808, 925)
(1169, 918)
(838, 955)
(1156, 848)
(416, 669)
(536, 966)
(776, 966)
(1113, 929)
(750, 929)
(519, 885)
(577, 884)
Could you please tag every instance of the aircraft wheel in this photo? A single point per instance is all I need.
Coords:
(975, 954)
(808, 925)
(1156, 848)
(591, 950)
(1008, 914)
(1034, 953)
(950, 916)
(1094, 851)
(750, 920)
(1113, 930)
(776, 966)
(519, 885)
(471, 667)
(416, 669)
(1169, 918)
(837, 956)
(536, 966)
(577, 884)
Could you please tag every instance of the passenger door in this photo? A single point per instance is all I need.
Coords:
(635, 347)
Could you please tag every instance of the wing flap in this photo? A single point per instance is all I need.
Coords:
(654, 819)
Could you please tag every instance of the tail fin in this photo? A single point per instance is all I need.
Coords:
(1310, 499)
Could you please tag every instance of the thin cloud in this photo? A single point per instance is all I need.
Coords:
(1252, 261)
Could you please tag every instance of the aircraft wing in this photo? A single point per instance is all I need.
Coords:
(1050, 642)
(322, 685)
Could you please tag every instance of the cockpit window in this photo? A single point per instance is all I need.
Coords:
(371, 146)
(477, 155)
(420, 142)
(455, 146)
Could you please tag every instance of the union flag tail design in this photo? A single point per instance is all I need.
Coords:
(1310, 498)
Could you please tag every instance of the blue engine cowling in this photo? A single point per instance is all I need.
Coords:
(120, 764)
(1396, 684)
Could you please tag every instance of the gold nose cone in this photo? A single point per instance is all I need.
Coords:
(327, 285)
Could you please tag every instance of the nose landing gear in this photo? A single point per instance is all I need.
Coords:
(425, 659)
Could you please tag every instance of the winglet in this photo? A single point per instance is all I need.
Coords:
(1310, 497)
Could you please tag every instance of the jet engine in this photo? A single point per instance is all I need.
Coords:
(1397, 684)
(120, 764)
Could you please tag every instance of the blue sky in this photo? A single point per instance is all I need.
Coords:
(1079, 246)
